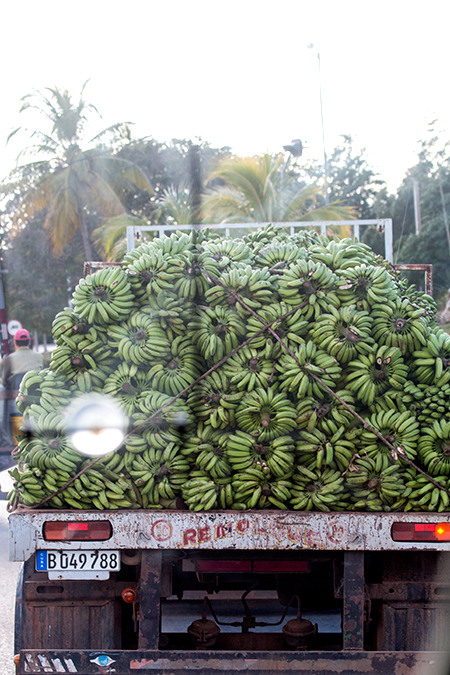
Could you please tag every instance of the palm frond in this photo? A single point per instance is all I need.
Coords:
(110, 237)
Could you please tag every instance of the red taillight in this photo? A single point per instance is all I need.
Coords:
(416, 532)
(91, 530)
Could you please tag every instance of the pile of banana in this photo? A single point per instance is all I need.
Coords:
(274, 371)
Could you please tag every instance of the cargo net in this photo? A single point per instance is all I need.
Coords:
(274, 371)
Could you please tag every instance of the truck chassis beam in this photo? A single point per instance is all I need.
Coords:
(208, 663)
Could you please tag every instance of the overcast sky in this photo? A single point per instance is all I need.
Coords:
(239, 72)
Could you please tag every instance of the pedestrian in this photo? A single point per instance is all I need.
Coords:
(15, 366)
(20, 361)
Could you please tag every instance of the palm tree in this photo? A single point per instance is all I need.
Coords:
(70, 182)
(262, 189)
(174, 207)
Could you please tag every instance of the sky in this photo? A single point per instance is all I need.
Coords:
(237, 73)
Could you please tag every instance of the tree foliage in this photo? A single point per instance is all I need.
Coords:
(264, 189)
(70, 182)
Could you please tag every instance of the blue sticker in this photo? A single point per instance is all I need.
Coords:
(41, 561)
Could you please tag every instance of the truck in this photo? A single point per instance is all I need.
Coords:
(170, 591)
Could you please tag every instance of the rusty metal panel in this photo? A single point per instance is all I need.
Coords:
(149, 600)
(420, 267)
(353, 607)
(209, 663)
(224, 530)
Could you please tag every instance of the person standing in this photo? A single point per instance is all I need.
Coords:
(22, 360)
(15, 366)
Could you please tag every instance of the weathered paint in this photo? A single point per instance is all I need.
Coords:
(222, 530)
(208, 663)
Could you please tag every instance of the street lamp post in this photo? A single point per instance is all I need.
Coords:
(325, 162)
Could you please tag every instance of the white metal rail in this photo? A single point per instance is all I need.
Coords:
(383, 225)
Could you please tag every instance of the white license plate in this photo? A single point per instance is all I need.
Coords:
(77, 561)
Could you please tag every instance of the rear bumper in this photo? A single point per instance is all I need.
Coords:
(209, 663)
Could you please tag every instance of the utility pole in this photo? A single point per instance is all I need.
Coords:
(3, 321)
(417, 214)
(325, 160)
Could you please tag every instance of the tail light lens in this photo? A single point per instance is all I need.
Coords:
(416, 532)
(90, 530)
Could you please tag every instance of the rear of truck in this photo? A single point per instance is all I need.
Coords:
(226, 591)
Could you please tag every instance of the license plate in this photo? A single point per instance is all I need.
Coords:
(78, 561)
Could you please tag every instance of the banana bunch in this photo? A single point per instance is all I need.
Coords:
(279, 255)
(28, 487)
(398, 323)
(140, 340)
(247, 370)
(400, 429)
(311, 283)
(47, 444)
(344, 333)
(66, 324)
(343, 254)
(216, 331)
(254, 286)
(160, 420)
(432, 403)
(85, 363)
(267, 494)
(269, 234)
(30, 389)
(266, 414)
(434, 448)
(277, 455)
(216, 257)
(431, 363)
(298, 373)
(292, 328)
(365, 286)
(178, 368)
(208, 451)
(192, 282)
(211, 401)
(325, 411)
(372, 489)
(369, 376)
(321, 490)
(171, 312)
(160, 473)
(175, 244)
(126, 384)
(423, 495)
(104, 297)
(316, 450)
(153, 271)
(201, 493)
(419, 299)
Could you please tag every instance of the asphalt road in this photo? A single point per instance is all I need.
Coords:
(8, 579)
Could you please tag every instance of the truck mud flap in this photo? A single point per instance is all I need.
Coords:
(208, 663)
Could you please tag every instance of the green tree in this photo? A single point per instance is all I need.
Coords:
(66, 181)
(265, 188)
(432, 244)
(351, 181)
(38, 283)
